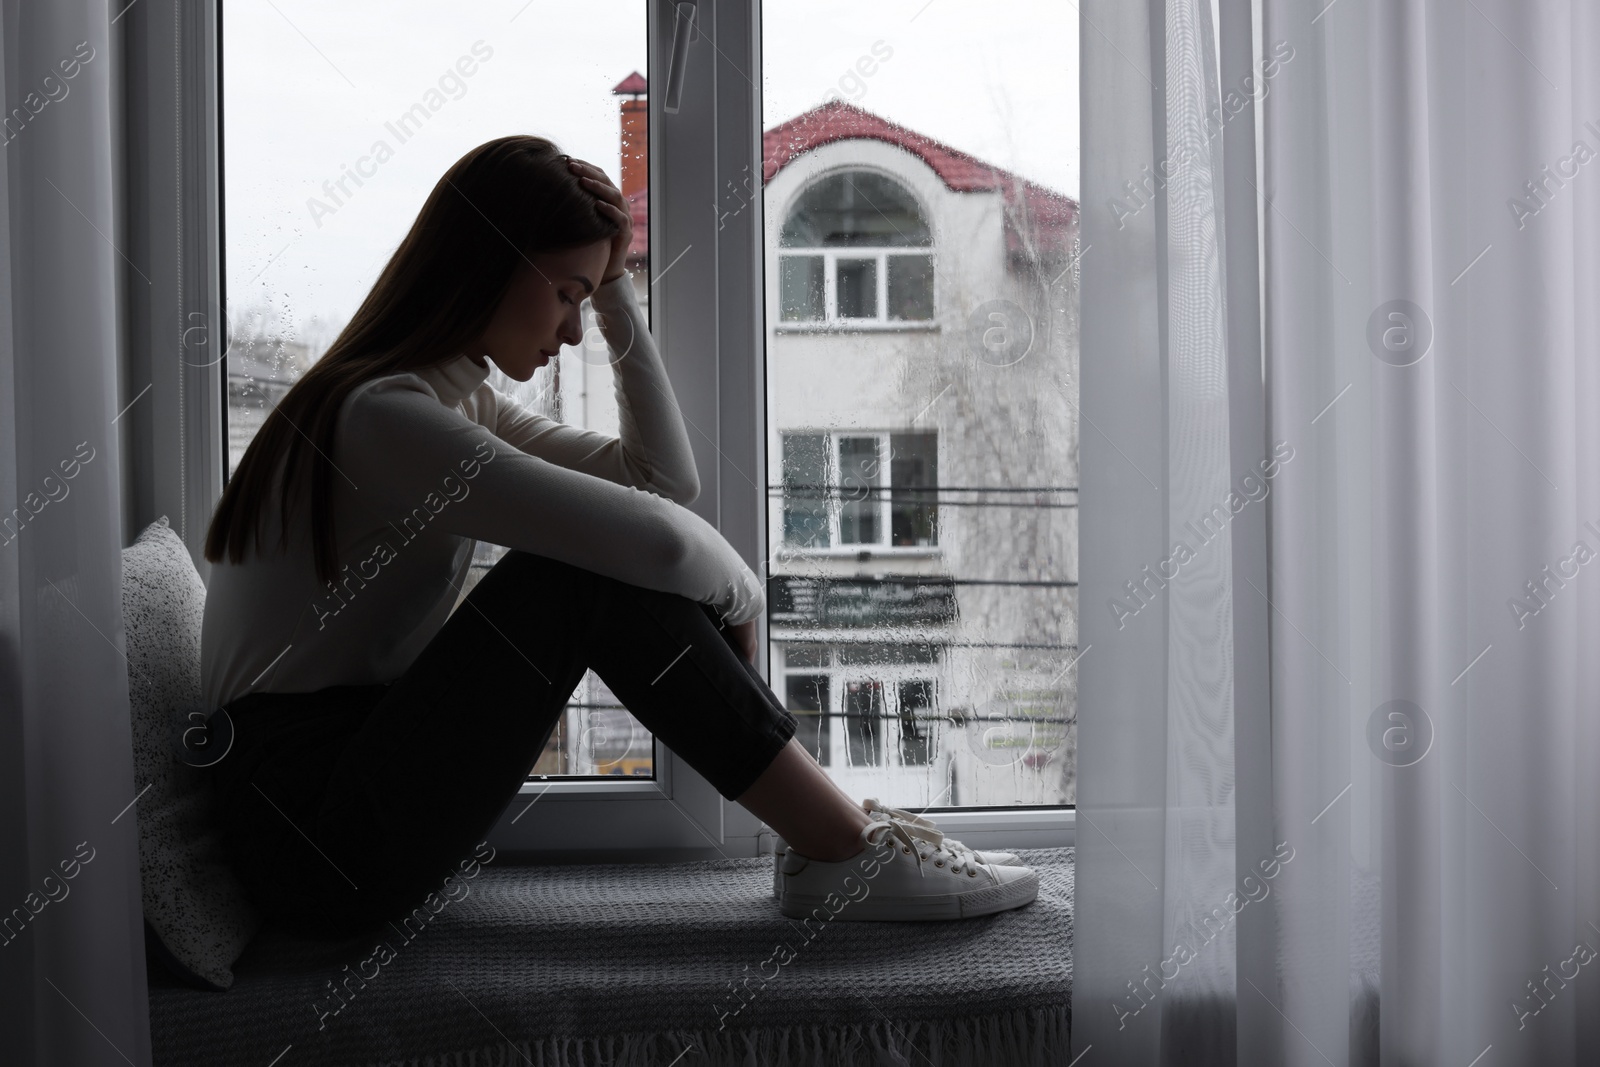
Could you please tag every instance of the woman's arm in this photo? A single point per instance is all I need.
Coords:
(652, 451)
(403, 450)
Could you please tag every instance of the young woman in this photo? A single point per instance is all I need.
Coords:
(377, 735)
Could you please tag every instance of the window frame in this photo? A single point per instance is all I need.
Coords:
(174, 437)
(892, 678)
(880, 256)
(830, 255)
(697, 147)
(884, 488)
(708, 315)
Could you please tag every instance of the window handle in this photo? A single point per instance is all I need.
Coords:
(684, 33)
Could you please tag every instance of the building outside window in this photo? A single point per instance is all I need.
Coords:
(922, 462)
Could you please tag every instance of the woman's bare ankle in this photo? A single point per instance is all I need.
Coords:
(801, 803)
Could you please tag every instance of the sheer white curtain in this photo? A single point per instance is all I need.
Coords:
(72, 970)
(1339, 737)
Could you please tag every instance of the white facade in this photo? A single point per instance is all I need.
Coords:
(1000, 732)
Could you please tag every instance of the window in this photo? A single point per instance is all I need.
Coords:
(318, 194)
(860, 489)
(863, 716)
(807, 478)
(920, 244)
(808, 698)
(876, 279)
(885, 707)
(944, 629)
(916, 733)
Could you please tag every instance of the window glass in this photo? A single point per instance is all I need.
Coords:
(807, 656)
(859, 652)
(870, 214)
(855, 209)
(916, 727)
(863, 717)
(920, 178)
(913, 481)
(803, 290)
(807, 697)
(806, 480)
(857, 288)
(859, 470)
(911, 288)
(338, 121)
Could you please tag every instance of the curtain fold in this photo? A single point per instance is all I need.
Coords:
(72, 970)
(1164, 499)
(1338, 804)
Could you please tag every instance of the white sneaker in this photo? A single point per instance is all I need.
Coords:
(876, 810)
(926, 829)
(900, 875)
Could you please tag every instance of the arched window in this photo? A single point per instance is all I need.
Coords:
(855, 249)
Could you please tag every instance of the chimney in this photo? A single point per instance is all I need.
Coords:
(635, 176)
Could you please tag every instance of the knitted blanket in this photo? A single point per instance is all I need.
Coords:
(634, 964)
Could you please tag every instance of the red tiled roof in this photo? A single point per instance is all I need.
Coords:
(1031, 209)
(1036, 217)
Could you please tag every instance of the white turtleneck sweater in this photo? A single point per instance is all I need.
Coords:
(427, 463)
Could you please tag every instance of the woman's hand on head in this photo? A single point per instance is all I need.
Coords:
(610, 202)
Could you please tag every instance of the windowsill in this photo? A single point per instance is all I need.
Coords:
(982, 829)
(1024, 828)
(849, 326)
(556, 789)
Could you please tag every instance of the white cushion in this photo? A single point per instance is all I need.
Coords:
(193, 904)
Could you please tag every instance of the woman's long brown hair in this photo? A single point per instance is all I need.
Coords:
(501, 202)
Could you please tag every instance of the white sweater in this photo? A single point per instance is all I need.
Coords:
(429, 462)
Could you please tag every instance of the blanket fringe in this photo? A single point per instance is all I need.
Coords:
(1022, 1038)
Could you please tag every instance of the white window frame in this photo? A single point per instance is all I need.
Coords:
(708, 318)
(837, 546)
(704, 123)
(172, 437)
(891, 676)
(830, 288)
(880, 444)
(831, 320)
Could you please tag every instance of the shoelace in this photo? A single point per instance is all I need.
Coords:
(963, 853)
(871, 805)
(913, 834)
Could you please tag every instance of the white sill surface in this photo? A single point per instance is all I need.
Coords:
(615, 787)
(986, 829)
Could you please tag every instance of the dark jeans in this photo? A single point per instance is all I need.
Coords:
(346, 806)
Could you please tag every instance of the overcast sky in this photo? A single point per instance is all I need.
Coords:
(309, 86)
